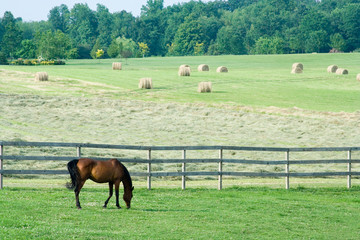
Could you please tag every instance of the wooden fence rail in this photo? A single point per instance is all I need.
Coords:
(183, 161)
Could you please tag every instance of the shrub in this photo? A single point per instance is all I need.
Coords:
(3, 59)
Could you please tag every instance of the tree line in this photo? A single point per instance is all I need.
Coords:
(192, 28)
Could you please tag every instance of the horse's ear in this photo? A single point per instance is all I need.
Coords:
(132, 188)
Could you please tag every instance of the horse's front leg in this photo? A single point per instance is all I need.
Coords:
(111, 186)
(77, 192)
(117, 184)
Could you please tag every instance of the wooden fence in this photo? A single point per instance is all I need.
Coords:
(286, 162)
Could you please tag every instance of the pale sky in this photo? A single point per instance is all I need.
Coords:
(37, 10)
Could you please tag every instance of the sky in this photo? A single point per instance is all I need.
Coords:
(37, 10)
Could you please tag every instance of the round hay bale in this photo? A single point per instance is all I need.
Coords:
(297, 70)
(204, 87)
(41, 76)
(358, 77)
(184, 71)
(298, 65)
(341, 71)
(145, 83)
(203, 68)
(332, 68)
(116, 66)
(221, 69)
(184, 65)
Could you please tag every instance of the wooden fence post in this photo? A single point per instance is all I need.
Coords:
(149, 170)
(1, 166)
(78, 152)
(349, 170)
(220, 168)
(287, 168)
(183, 186)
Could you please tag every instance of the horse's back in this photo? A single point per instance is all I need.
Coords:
(100, 171)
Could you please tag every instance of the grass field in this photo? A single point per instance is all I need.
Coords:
(234, 213)
(252, 105)
(258, 103)
(257, 81)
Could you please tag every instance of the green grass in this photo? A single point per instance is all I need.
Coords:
(257, 81)
(233, 213)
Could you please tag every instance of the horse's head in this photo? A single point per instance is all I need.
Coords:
(128, 196)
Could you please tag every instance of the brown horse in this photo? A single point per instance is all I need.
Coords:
(111, 171)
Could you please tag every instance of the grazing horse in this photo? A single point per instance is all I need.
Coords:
(111, 171)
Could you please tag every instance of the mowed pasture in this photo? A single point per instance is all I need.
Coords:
(233, 213)
(256, 81)
(257, 103)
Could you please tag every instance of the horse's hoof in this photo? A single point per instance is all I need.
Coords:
(79, 208)
(104, 206)
(118, 207)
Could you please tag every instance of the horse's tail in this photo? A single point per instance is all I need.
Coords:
(74, 174)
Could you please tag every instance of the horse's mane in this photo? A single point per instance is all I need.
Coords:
(127, 175)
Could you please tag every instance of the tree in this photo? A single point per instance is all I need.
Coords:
(99, 53)
(317, 41)
(96, 47)
(230, 41)
(27, 49)
(151, 25)
(83, 26)
(12, 35)
(144, 49)
(348, 23)
(123, 25)
(105, 23)
(53, 45)
(337, 42)
(187, 36)
(121, 47)
(59, 18)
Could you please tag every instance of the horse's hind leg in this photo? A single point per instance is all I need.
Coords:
(111, 186)
(117, 184)
(77, 192)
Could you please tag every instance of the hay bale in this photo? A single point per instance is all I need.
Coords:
(358, 77)
(116, 66)
(184, 71)
(203, 68)
(341, 71)
(145, 83)
(184, 65)
(204, 87)
(41, 76)
(332, 68)
(221, 69)
(297, 70)
(298, 65)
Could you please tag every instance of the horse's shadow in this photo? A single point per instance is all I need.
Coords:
(171, 210)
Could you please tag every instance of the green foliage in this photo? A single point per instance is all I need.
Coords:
(223, 27)
(337, 42)
(274, 45)
(144, 49)
(99, 53)
(53, 45)
(3, 59)
(188, 35)
(59, 18)
(11, 38)
(123, 47)
(28, 49)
